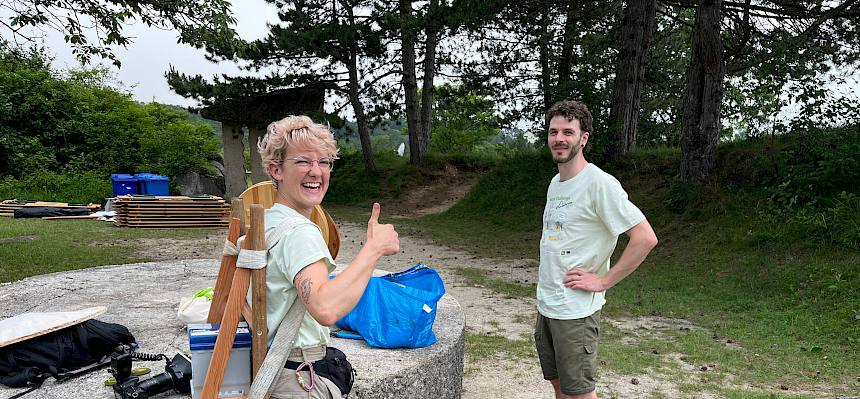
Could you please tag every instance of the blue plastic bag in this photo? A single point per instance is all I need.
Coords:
(398, 310)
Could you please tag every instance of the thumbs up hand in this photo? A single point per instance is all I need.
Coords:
(381, 237)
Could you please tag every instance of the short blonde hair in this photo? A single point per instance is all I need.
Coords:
(290, 131)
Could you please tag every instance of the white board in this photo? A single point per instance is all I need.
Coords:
(28, 325)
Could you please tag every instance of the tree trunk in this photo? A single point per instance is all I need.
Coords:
(636, 31)
(234, 159)
(360, 116)
(543, 53)
(258, 174)
(410, 84)
(357, 106)
(565, 61)
(426, 129)
(700, 126)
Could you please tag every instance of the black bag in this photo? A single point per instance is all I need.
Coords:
(45, 211)
(334, 367)
(28, 363)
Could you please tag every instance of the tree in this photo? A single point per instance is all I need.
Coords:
(784, 40)
(636, 30)
(419, 112)
(197, 21)
(462, 119)
(532, 54)
(335, 42)
(701, 118)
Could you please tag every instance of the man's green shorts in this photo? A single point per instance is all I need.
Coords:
(567, 350)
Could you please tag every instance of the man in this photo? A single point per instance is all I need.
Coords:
(586, 210)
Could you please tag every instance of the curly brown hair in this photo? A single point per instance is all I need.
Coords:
(571, 110)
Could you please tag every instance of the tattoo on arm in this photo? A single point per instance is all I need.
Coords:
(306, 284)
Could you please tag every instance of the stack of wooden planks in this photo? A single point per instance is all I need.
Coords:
(170, 211)
(8, 207)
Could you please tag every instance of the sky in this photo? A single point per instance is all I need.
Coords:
(152, 51)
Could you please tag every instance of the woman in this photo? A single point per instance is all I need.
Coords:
(299, 154)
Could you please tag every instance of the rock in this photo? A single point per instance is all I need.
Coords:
(194, 183)
(219, 166)
(143, 297)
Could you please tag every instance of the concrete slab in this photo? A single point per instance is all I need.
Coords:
(144, 298)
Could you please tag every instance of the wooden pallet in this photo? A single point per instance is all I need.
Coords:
(171, 212)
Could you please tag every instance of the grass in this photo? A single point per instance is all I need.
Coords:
(60, 245)
(479, 277)
(486, 346)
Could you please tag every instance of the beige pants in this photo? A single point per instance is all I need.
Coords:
(287, 385)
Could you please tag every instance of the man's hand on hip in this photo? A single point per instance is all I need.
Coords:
(579, 279)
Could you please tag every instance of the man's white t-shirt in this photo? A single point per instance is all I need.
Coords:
(300, 247)
(581, 222)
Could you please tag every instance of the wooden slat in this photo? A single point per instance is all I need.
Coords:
(257, 237)
(171, 212)
(144, 222)
(228, 266)
(69, 217)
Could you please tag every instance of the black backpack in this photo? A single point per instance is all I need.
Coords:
(62, 354)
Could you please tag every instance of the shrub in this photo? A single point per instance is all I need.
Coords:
(76, 123)
(49, 186)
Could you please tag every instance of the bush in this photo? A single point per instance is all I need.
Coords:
(808, 180)
(76, 123)
(176, 145)
(82, 187)
(817, 166)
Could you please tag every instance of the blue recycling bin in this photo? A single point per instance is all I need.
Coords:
(152, 184)
(123, 184)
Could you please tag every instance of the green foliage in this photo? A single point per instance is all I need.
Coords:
(176, 145)
(75, 124)
(82, 187)
(461, 119)
(198, 21)
(351, 184)
(837, 223)
(815, 165)
(806, 182)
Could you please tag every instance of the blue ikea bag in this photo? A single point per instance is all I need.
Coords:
(397, 310)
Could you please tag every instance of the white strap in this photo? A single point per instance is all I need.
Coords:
(230, 249)
(277, 355)
(287, 225)
(252, 259)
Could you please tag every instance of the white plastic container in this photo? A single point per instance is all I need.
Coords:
(237, 377)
